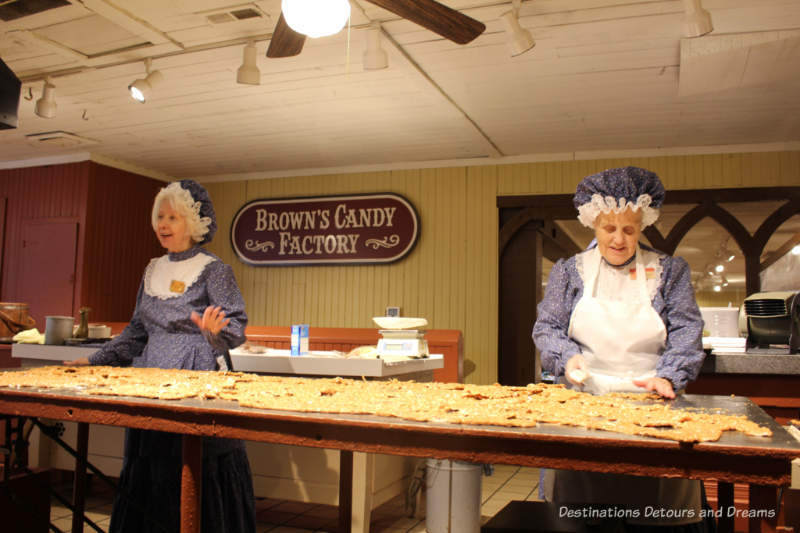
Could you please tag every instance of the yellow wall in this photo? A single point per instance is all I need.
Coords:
(450, 278)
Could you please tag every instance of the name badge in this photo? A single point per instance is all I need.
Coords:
(177, 286)
(649, 273)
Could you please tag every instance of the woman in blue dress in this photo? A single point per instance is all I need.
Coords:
(189, 313)
(621, 316)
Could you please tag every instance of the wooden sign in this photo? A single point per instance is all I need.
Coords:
(325, 230)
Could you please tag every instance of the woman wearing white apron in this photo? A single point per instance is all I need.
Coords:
(621, 316)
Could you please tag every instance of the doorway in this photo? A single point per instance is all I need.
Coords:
(47, 267)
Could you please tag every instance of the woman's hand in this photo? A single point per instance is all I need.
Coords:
(660, 385)
(212, 320)
(575, 369)
(80, 361)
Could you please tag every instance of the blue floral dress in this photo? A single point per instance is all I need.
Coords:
(161, 334)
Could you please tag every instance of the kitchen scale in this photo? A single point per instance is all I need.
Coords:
(400, 336)
(402, 343)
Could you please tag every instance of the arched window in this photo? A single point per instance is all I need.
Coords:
(759, 225)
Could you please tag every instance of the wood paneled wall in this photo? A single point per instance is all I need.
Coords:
(451, 276)
(119, 241)
(55, 191)
(115, 238)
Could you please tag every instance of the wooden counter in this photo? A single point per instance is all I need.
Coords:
(279, 471)
(771, 381)
(5, 357)
(762, 462)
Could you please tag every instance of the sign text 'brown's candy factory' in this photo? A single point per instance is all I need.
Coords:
(354, 229)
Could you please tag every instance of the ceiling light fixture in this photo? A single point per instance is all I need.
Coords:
(316, 18)
(719, 268)
(519, 39)
(140, 89)
(248, 73)
(796, 250)
(375, 57)
(723, 253)
(46, 105)
(696, 21)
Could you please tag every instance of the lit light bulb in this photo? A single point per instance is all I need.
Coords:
(316, 18)
(719, 268)
(717, 288)
(796, 250)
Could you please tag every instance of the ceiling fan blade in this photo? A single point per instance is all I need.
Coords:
(437, 17)
(285, 41)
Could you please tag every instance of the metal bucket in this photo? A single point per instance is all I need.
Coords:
(58, 329)
(13, 319)
(453, 496)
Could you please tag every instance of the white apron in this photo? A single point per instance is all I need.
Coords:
(622, 341)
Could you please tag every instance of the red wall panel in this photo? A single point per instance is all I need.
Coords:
(115, 239)
(53, 192)
(119, 241)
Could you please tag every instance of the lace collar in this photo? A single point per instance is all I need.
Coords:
(171, 275)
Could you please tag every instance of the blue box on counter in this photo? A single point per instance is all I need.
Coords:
(299, 339)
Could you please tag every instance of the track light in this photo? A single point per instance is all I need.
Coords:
(46, 105)
(696, 21)
(316, 18)
(248, 73)
(375, 57)
(140, 89)
(519, 39)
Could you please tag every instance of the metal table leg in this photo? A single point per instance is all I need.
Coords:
(79, 481)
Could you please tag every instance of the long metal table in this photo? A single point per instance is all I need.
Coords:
(762, 462)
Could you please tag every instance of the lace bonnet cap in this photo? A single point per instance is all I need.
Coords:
(617, 189)
(195, 199)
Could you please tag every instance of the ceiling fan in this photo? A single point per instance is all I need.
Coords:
(429, 14)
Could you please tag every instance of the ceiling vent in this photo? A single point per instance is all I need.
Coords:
(59, 139)
(15, 9)
(233, 15)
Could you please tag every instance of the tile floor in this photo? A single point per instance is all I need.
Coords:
(277, 516)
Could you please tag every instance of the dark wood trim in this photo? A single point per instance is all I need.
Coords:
(654, 236)
(732, 195)
(773, 222)
(682, 227)
(683, 196)
(780, 252)
(510, 228)
(538, 201)
(734, 227)
(545, 209)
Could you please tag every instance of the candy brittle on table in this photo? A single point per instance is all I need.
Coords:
(452, 403)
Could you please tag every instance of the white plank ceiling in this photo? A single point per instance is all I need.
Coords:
(604, 75)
